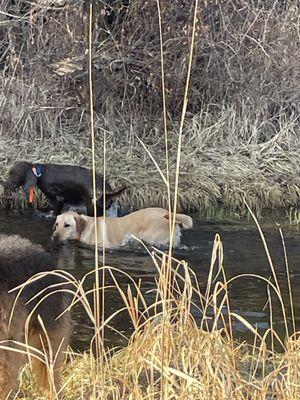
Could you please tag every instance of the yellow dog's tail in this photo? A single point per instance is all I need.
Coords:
(182, 219)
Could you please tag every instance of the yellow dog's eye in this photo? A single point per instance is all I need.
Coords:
(67, 225)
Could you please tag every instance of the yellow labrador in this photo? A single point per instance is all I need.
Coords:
(149, 224)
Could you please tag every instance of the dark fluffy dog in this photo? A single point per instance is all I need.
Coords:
(61, 184)
(20, 260)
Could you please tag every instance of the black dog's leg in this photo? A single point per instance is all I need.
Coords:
(89, 207)
(100, 208)
(59, 204)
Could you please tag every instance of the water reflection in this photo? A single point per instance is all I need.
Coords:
(243, 254)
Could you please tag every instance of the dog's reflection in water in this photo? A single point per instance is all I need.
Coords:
(75, 257)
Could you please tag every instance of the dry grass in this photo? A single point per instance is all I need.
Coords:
(202, 360)
(232, 150)
(241, 133)
(215, 170)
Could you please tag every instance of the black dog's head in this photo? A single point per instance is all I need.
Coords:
(20, 174)
(109, 198)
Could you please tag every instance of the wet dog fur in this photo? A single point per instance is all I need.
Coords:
(149, 224)
(19, 261)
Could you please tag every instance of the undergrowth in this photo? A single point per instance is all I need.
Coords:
(172, 352)
(241, 131)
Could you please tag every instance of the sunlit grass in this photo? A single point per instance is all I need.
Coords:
(183, 345)
(203, 358)
(241, 131)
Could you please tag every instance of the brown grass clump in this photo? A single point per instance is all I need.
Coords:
(172, 354)
(242, 124)
(203, 366)
(240, 136)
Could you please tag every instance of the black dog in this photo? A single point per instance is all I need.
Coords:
(42, 299)
(61, 184)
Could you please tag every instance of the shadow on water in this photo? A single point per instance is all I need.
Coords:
(243, 253)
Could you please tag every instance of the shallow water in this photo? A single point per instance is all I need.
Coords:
(243, 254)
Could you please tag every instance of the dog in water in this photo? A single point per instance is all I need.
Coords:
(61, 184)
(149, 224)
(27, 316)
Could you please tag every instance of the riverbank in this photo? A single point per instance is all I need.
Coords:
(172, 354)
(199, 365)
(241, 132)
(222, 161)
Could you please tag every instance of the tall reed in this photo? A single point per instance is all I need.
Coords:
(183, 345)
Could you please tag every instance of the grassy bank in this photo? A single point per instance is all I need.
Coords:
(173, 355)
(240, 140)
(241, 134)
(201, 366)
(223, 161)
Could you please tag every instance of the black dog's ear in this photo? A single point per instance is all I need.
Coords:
(109, 197)
(30, 180)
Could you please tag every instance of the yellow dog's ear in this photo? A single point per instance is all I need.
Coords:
(176, 220)
(80, 225)
(185, 221)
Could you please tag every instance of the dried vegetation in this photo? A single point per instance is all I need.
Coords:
(241, 136)
(182, 345)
